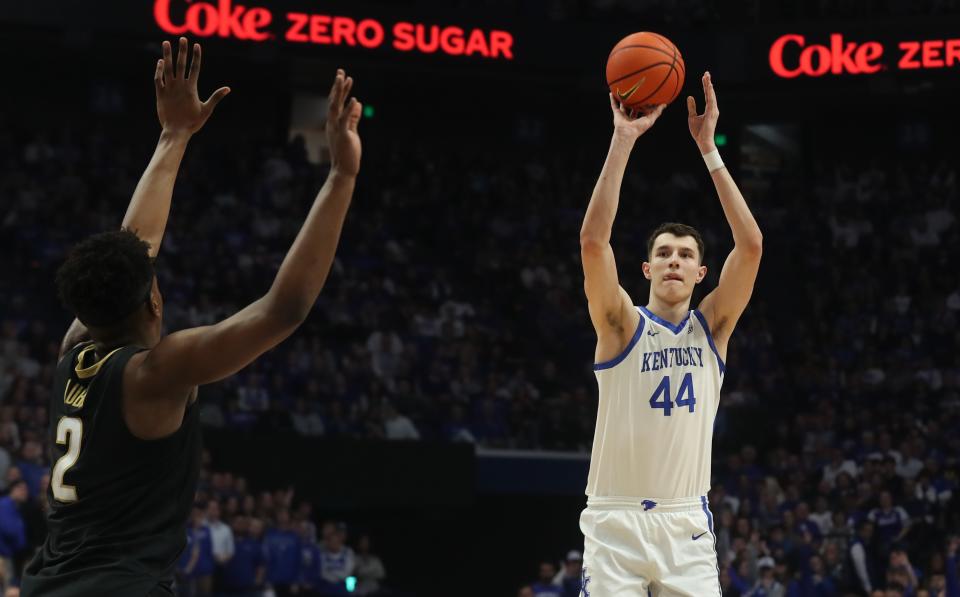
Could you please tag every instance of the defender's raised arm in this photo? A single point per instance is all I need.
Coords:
(181, 114)
(206, 354)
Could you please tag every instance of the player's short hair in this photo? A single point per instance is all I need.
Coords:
(106, 277)
(676, 229)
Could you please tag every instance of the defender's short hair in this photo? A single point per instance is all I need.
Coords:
(106, 277)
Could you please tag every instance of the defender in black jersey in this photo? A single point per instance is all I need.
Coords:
(124, 427)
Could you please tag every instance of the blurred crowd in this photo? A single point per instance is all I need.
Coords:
(268, 544)
(240, 542)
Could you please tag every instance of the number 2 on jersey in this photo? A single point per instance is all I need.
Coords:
(69, 431)
(661, 396)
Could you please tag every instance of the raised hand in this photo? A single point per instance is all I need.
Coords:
(178, 105)
(704, 126)
(342, 121)
(628, 123)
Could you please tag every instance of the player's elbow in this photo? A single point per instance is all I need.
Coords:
(285, 314)
(753, 245)
(592, 245)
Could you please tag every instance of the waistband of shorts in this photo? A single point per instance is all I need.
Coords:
(689, 504)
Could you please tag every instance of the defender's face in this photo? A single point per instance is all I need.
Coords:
(674, 268)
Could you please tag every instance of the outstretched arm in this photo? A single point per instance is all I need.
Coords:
(181, 114)
(724, 305)
(165, 374)
(611, 309)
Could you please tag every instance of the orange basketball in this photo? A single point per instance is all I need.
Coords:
(645, 69)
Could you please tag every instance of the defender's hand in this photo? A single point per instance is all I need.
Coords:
(342, 121)
(628, 123)
(178, 106)
(704, 126)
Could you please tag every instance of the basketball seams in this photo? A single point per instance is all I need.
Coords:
(660, 86)
(637, 72)
(654, 48)
(666, 42)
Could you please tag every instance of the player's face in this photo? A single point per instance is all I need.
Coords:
(674, 267)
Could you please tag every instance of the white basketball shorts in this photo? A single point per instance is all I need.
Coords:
(637, 547)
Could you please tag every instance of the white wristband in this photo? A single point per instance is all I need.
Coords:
(713, 160)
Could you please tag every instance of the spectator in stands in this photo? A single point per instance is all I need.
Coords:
(863, 560)
(568, 579)
(838, 465)
(396, 425)
(221, 537)
(32, 466)
(304, 518)
(891, 522)
(834, 563)
(281, 546)
(901, 572)
(245, 573)
(9, 429)
(767, 585)
(13, 536)
(369, 568)
(309, 559)
(337, 560)
(545, 586)
(306, 420)
(814, 582)
(822, 516)
(196, 566)
(34, 513)
(727, 588)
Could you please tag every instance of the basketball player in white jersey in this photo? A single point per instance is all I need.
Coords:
(647, 525)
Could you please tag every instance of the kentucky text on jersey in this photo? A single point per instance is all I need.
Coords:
(672, 357)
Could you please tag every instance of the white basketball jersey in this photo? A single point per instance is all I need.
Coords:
(658, 402)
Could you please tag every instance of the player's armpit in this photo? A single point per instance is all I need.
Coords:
(723, 307)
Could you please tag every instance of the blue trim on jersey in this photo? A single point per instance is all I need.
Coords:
(713, 347)
(676, 329)
(706, 510)
(617, 359)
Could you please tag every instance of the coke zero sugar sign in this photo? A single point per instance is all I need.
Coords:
(794, 55)
(224, 18)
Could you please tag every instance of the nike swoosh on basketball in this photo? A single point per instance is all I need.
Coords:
(631, 91)
(695, 537)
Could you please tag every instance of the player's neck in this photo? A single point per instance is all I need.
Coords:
(105, 340)
(672, 312)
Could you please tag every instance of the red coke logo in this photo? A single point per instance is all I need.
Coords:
(224, 19)
(838, 58)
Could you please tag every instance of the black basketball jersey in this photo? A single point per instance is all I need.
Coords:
(118, 505)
